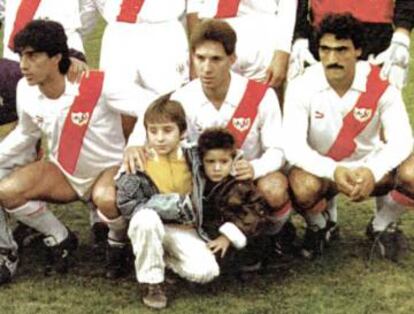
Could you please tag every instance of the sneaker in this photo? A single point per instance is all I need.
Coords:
(390, 243)
(25, 235)
(117, 261)
(99, 236)
(59, 256)
(314, 242)
(154, 296)
(8, 265)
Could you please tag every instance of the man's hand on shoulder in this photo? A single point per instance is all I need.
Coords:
(243, 170)
(134, 158)
(77, 69)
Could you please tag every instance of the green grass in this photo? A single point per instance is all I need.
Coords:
(341, 282)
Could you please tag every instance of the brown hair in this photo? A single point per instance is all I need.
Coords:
(163, 109)
(214, 30)
(216, 138)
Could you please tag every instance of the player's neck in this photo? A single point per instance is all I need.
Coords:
(54, 86)
(343, 85)
(218, 95)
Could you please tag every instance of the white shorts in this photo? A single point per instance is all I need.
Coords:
(154, 56)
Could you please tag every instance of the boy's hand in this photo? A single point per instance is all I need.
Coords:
(134, 158)
(244, 170)
(221, 243)
(76, 70)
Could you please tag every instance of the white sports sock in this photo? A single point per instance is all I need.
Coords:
(117, 234)
(313, 219)
(388, 211)
(36, 215)
(332, 210)
(94, 217)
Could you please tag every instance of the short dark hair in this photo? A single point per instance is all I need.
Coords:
(44, 36)
(343, 26)
(216, 138)
(214, 30)
(163, 109)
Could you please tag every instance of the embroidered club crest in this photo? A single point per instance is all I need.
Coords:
(80, 118)
(362, 114)
(241, 124)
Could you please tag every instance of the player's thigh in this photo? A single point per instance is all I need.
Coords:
(104, 192)
(39, 180)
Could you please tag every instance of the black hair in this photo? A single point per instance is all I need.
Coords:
(44, 36)
(343, 26)
(216, 138)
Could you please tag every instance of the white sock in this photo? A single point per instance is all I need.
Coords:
(94, 217)
(117, 234)
(317, 219)
(36, 215)
(388, 211)
(332, 210)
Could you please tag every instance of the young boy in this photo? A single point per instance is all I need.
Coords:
(171, 170)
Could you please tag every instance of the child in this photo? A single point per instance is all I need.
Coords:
(149, 198)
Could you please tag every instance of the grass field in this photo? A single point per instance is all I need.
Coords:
(341, 282)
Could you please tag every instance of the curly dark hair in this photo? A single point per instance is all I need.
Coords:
(44, 36)
(217, 31)
(216, 138)
(343, 26)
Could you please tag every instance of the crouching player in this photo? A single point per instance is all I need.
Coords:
(333, 120)
(170, 168)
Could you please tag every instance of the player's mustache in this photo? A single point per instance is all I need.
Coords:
(334, 66)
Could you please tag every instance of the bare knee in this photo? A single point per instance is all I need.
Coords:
(307, 189)
(405, 175)
(104, 197)
(10, 197)
(274, 188)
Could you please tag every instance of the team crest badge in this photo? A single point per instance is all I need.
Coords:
(241, 124)
(80, 118)
(362, 114)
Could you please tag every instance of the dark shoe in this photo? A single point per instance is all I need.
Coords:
(390, 243)
(8, 265)
(117, 261)
(154, 296)
(99, 235)
(283, 243)
(331, 231)
(314, 242)
(59, 256)
(25, 235)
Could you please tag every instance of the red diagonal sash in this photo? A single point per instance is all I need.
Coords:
(24, 15)
(227, 8)
(77, 120)
(359, 117)
(246, 112)
(130, 10)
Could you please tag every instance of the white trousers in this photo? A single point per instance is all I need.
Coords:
(157, 246)
(153, 55)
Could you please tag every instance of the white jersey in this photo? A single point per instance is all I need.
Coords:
(313, 117)
(262, 27)
(65, 12)
(262, 146)
(152, 11)
(103, 142)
